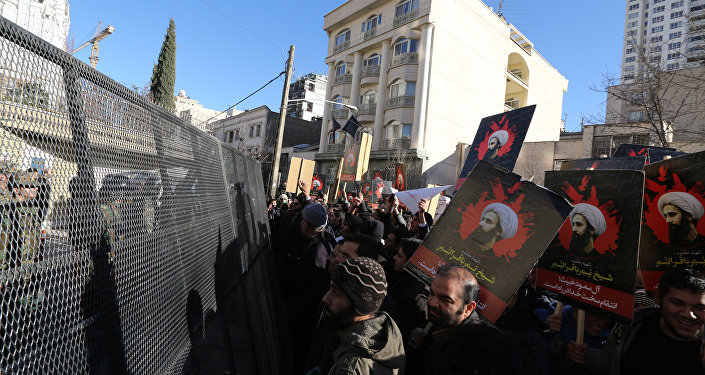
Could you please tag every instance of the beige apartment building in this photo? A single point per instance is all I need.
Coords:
(422, 74)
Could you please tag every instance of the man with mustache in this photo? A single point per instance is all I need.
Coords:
(682, 212)
(370, 341)
(459, 341)
(588, 223)
(498, 222)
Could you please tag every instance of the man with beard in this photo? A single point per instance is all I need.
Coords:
(663, 340)
(497, 140)
(682, 212)
(459, 341)
(588, 223)
(498, 222)
(370, 342)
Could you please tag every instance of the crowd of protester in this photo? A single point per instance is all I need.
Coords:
(353, 309)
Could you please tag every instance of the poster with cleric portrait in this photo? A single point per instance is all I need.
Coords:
(672, 230)
(652, 153)
(592, 261)
(497, 226)
(498, 140)
(633, 163)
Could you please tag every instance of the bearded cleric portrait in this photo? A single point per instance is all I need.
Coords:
(498, 140)
(682, 212)
(498, 221)
(591, 263)
(496, 226)
(587, 222)
(673, 229)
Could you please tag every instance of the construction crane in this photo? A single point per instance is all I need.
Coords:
(99, 35)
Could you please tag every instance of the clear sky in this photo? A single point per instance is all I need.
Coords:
(226, 49)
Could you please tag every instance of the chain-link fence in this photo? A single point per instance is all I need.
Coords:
(130, 241)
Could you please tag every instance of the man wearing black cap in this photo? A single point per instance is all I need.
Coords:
(370, 342)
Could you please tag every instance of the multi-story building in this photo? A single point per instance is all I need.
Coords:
(47, 19)
(665, 33)
(196, 114)
(305, 96)
(422, 74)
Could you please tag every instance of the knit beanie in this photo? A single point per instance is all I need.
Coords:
(315, 214)
(363, 282)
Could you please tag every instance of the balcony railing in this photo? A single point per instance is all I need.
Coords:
(369, 34)
(400, 102)
(340, 113)
(336, 147)
(345, 78)
(517, 77)
(406, 18)
(407, 58)
(341, 47)
(369, 71)
(367, 109)
(399, 143)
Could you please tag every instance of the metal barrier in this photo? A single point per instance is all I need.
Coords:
(130, 241)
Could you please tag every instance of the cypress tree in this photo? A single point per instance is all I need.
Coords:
(161, 85)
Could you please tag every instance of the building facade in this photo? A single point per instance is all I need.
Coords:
(422, 74)
(305, 96)
(668, 33)
(47, 19)
(195, 114)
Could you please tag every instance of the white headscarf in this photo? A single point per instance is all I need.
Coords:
(686, 202)
(501, 135)
(592, 214)
(508, 219)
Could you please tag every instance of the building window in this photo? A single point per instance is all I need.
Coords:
(340, 69)
(342, 37)
(675, 45)
(675, 15)
(633, 24)
(369, 97)
(658, 1)
(338, 100)
(633, 15)
(405, 7)
(629, 68)
(630, 59)
(309, 106)
(631, 33)
(675, 35)
(400, 88)
(655, 49)
(659, 9)
(404, 46)
(311, 87)
(606, 145)
(673, 56)
(677, 4)
(230, 136)
(373, 60)
(657, 39)
(371, 23)
(658, 19)
(252, 131)
(655, 59)
(674, 66)
(630, 50)
(636, 116)
(635, 6)
(657, 29)
(237, 134)
(697, 8)
(397, 130)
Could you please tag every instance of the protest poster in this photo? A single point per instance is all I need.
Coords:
(316, 184)
(498, 140)
(497, 226)
(356, 158)
(299, 169)
(400, 175)
(672, 230)
(652, 153)
(412, 198)
(633, 163)
(591, 264)
(372, 187)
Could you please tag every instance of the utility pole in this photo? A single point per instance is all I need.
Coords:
(282, 120)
